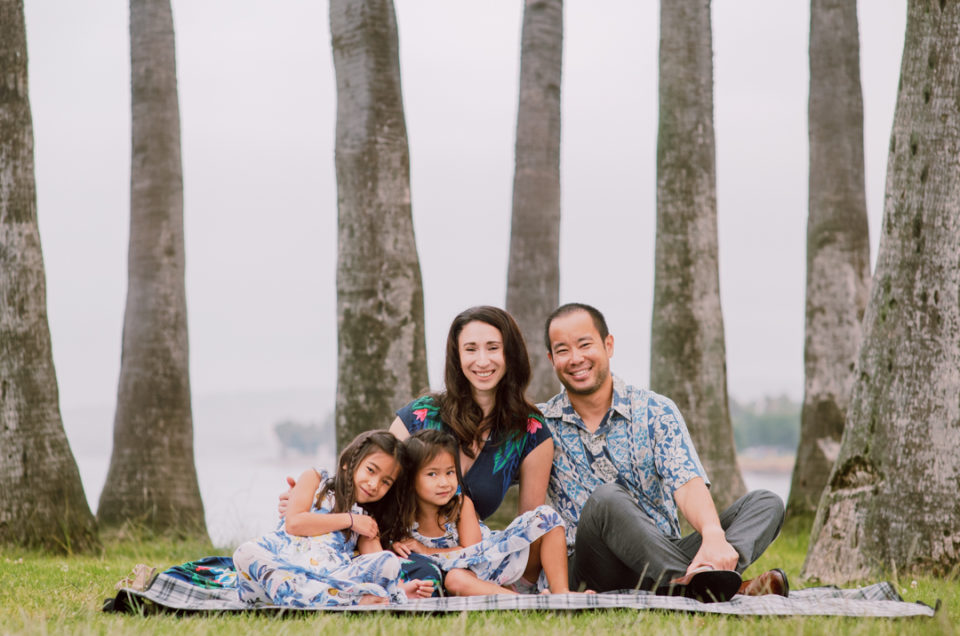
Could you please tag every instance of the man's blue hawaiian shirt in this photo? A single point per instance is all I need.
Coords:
(643, 445)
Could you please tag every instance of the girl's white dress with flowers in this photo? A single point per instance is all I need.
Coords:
(288, 570)
(501, 556)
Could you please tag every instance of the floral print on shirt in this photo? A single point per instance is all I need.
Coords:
(642, 444)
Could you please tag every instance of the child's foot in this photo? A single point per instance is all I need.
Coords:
(523, 586)
(371, 599)
(417, 588)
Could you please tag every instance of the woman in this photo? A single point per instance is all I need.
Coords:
(501, 434)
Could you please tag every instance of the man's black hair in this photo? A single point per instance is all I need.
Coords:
(598, 321)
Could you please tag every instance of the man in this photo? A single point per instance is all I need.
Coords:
(624, 464)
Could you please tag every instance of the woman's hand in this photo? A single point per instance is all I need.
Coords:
(365, 526)
(405, 547)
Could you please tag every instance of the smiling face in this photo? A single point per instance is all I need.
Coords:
(436, 482)
(481, 356)
(374, 476)
(580, 357)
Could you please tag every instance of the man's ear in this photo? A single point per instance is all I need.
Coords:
(608, 344)
(550, 356)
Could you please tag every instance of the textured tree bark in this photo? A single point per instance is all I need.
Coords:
(688, 357)
(891, 501)
(533, 275)
(381, 357)
(42, 502)
(152, 480)
(838, 245)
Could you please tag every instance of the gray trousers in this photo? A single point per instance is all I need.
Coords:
(619, 547)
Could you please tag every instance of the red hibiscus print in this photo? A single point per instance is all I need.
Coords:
(420, 414)
(533, 425)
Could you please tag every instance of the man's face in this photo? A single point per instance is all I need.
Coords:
(580, 357)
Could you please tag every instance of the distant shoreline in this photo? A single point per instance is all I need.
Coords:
(766, 463)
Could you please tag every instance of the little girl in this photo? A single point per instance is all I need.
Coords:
(307, 560)
(442, 523)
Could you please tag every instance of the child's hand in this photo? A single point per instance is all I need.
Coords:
(285, 497)
(365, 526)
(405, 547)
(418, 588)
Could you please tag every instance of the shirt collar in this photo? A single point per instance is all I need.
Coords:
(559, 406)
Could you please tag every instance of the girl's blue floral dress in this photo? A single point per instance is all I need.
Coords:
(284, 569)
(501, 556)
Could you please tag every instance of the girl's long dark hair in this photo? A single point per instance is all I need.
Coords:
(386, 511)
(510, 412)
(421, 448)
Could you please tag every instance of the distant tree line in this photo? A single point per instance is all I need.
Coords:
(304, 437)
(770, 422)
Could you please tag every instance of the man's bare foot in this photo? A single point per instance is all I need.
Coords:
(370, 599)
(417, 588)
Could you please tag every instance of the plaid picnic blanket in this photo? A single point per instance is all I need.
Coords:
(178, 590)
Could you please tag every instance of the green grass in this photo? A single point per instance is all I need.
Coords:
(47, 594)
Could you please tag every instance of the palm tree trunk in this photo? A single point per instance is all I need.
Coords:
(381, 357)
(42, 502)
(688, 357)
(533, 276)
(152, 479)
(891, 501)
(838, 247)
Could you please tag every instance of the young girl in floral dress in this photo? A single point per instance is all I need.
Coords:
(308, 561)
(443, 523)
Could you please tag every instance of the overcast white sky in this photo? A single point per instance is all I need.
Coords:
(257, 102)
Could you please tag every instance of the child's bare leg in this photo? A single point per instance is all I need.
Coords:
(532, 572)
(461, 582)
(372, 599)
(553, 547)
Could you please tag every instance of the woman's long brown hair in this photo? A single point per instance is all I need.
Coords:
(510, 412)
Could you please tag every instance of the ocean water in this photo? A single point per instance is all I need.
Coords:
(240, 464)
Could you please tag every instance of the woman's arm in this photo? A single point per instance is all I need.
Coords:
(534, 476)
(468, 527)
(399, 429)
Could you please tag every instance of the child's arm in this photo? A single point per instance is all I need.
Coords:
(368, 545)
(406, 546)
(468, 527)
(301, 522)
